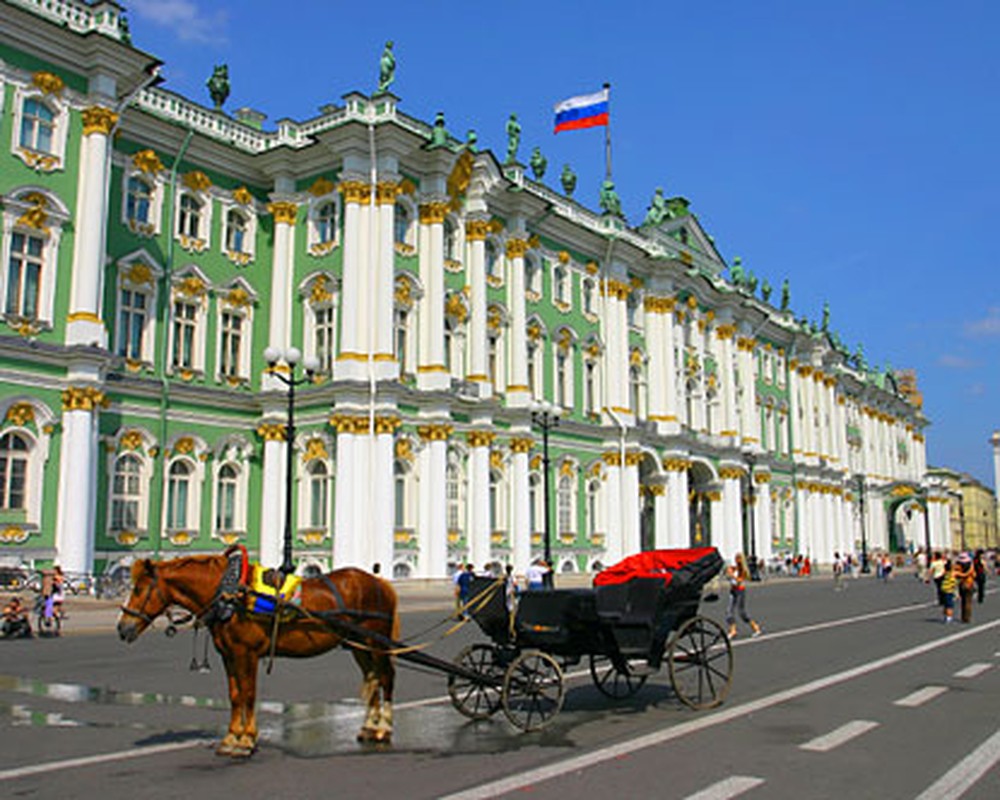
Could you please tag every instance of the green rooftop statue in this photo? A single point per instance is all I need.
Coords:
(736, 272)
(751, 282)
(386, 69)
(538, 163)
(609, 200)
(765, 291)
(439, 136)
(658, 211)
(513, 138)
(218, 85)
(568, 180)
(786, 295)
(471, 139)
(826, 316)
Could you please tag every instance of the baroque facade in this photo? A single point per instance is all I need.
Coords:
(153, 247)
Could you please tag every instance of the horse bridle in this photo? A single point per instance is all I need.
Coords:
(153, 586)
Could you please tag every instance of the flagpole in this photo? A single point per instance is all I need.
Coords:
(607, 138)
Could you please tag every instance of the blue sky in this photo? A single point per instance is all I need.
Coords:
(849, 146)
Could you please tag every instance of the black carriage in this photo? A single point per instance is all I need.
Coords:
(640, 613)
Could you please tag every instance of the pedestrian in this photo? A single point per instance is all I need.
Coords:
(947, 592)
(463, 588)
(935, 573)
(838, 572)
(886, 568)
(979, 564)
(965, 576)
(738, 574)
(534, 575)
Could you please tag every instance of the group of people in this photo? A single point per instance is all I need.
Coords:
(964, 576)
(537, 576)
(16, 619)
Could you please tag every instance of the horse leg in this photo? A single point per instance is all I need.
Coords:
(228, 745)
(241, 670)
(369, 696)
(386, 672)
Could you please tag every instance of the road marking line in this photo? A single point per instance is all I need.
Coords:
(592, 758)
(103, 758)
(960, 778)
(730, 787)
(973, 670)
(839, 736)
(921, 696)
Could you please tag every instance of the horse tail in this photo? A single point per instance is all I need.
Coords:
(392, 599)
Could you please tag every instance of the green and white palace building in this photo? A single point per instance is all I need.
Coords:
(152, 248)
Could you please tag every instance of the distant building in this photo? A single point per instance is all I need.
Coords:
(972, 510)
(153, 246)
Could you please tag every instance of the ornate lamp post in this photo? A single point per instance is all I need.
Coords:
(859, 479)
(546, 416)
(751, 526)
(291, 357)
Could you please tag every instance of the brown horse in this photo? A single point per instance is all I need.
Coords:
(364, 601)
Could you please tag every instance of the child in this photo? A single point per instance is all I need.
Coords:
(948, 584)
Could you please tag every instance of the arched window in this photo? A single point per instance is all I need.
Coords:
(493, 266)
(325, 330)
(635, 388)
(13, 472)
(37, 126)
(326, 223)
(593, 526)
(401, 224)
(319, 494)
(236, 232)
(565, 504)
(589, 287)
(24, 275)
(590, 387)
(189, 219)
(533, 368)
(178, 495)
(562, 378)
(560, 289)
(399, 487)
(126, 493)
(225, 492)
(231, 343)
(138, 197)
(401, 323)
(453, 495)
(532, 276)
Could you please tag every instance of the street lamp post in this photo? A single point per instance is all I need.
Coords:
(751, 527)
(546, 417)
(860, 479)
(291, 357)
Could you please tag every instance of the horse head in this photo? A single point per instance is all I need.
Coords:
(146, 602)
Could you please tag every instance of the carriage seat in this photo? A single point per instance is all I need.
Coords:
(636, 602)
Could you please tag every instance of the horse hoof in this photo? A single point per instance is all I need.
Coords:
(383, 737)
(367, 735)
(225, 748)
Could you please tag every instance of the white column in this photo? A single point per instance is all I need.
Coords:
(282, 291)
(794, 410)
(520, 513)
(77, 479)
(518, 392)
(631, 503)
(432, 532)
(763, 519)
(679, 524)
(272, 509)
(84, 323)
(717, 521)
(617, 355)
(354, 324)
(352, 520)
(385, 279)
(749, 416)
(613, 541)
(731, 539)
(382, 539)
(672, 397)
(479, 497)
(724, 336)
(656, 379)
(475, 235)
(661, 516)
(431, 371)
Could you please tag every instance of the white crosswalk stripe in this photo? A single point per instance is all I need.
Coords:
(733, 786)
(921, 696)
(957, 781)
(843, 734)
(973, 670)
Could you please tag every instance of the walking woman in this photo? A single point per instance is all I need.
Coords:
(738, 574)
(965, 575)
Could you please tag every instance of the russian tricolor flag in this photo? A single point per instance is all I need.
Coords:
(583, 111)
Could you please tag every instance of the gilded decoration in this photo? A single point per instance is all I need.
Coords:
(404, 449)
(654, 489)
(496, 460)
(35, 216)
(433, 213)
(659, 305)
(283, 211)
(567, 469)
(725, 331)
(563, 257)
(403, 295)
(313, 537)
(385, 424)
(633, 459)
(43, 162)
(434, 433)
(493, 318)
(196, 181)
(355, 191)
(82, 398)
(181, 538)
(191, 286)
(148, 162)
(476, 230)
(516, 248)
(535, 463)
(533, 241)
(192, 244)
(184, 446)
(315, 448)
(21, 414)
(565, 339)
(534, 331)
(619, 290)
(238, 297)
(386, 192)
(320, 293)
(458, 180)
(139, 274)
(321, 187)
(591, 267)
(731, 473)
(243, 196)
(676, 464)
(126, 538)
(612, 458)
(455, 308)
(521, 444)
(131, 440)
(480, 438)
(272, 431)
(903, 491)
(48, 83)
(495, 226)
(350, 423)
(635, 358)
(13, 534)
(692, 302)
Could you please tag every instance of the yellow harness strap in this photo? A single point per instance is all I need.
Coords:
(287, 590)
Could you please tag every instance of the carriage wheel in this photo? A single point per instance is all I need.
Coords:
(474, 699)
(611, 681)
(532, 690)
(701, 663)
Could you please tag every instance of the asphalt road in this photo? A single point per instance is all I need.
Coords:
(860, 692)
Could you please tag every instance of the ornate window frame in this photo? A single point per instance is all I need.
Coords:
(563, 381)
(191, 451)
(48, 90)
(317, 451)
(315, 245)
(407, 245)
(144, 166)
(320, 294)
(453, 260)
(240, 203)
(189, 286)
(33, 422)
(138, 272)
(195, 185)
(567, 491)
(239, 298)
(234, 451)
(495, 268)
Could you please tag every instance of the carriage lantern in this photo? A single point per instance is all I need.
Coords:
(291, 357)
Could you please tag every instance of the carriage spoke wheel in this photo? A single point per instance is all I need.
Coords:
(475, 699)
(611, 681)
(701, 663)
(532, 690)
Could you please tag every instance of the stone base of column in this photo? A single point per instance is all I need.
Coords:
(519, 397)
(86, 329)
(433, 379)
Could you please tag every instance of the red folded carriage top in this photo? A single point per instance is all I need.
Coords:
(651, 564)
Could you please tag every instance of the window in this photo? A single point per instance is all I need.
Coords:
(453, 494)
(562, 379)
(226, 486)
(532, 277)
(565, 504)
(533, 368)
(450, 241)
(236, 232)
(401, 224)
(493, 264)
(126, 493)
(632, 310)
(319, 494)
(588, 296)
(326, 223)
(37, 126)
(324, 333)
(560, 289)
(399, 493)
(24, 275)
(593, 491)
(185, 327)
(402, 321)
(494, 500)
(635, 388)
(13, 472)
(132, 313)
(232, 341)
(492, 359)
(534, 498)
(178, 493)
(590, 387)
(138, 200)
(189, 219)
